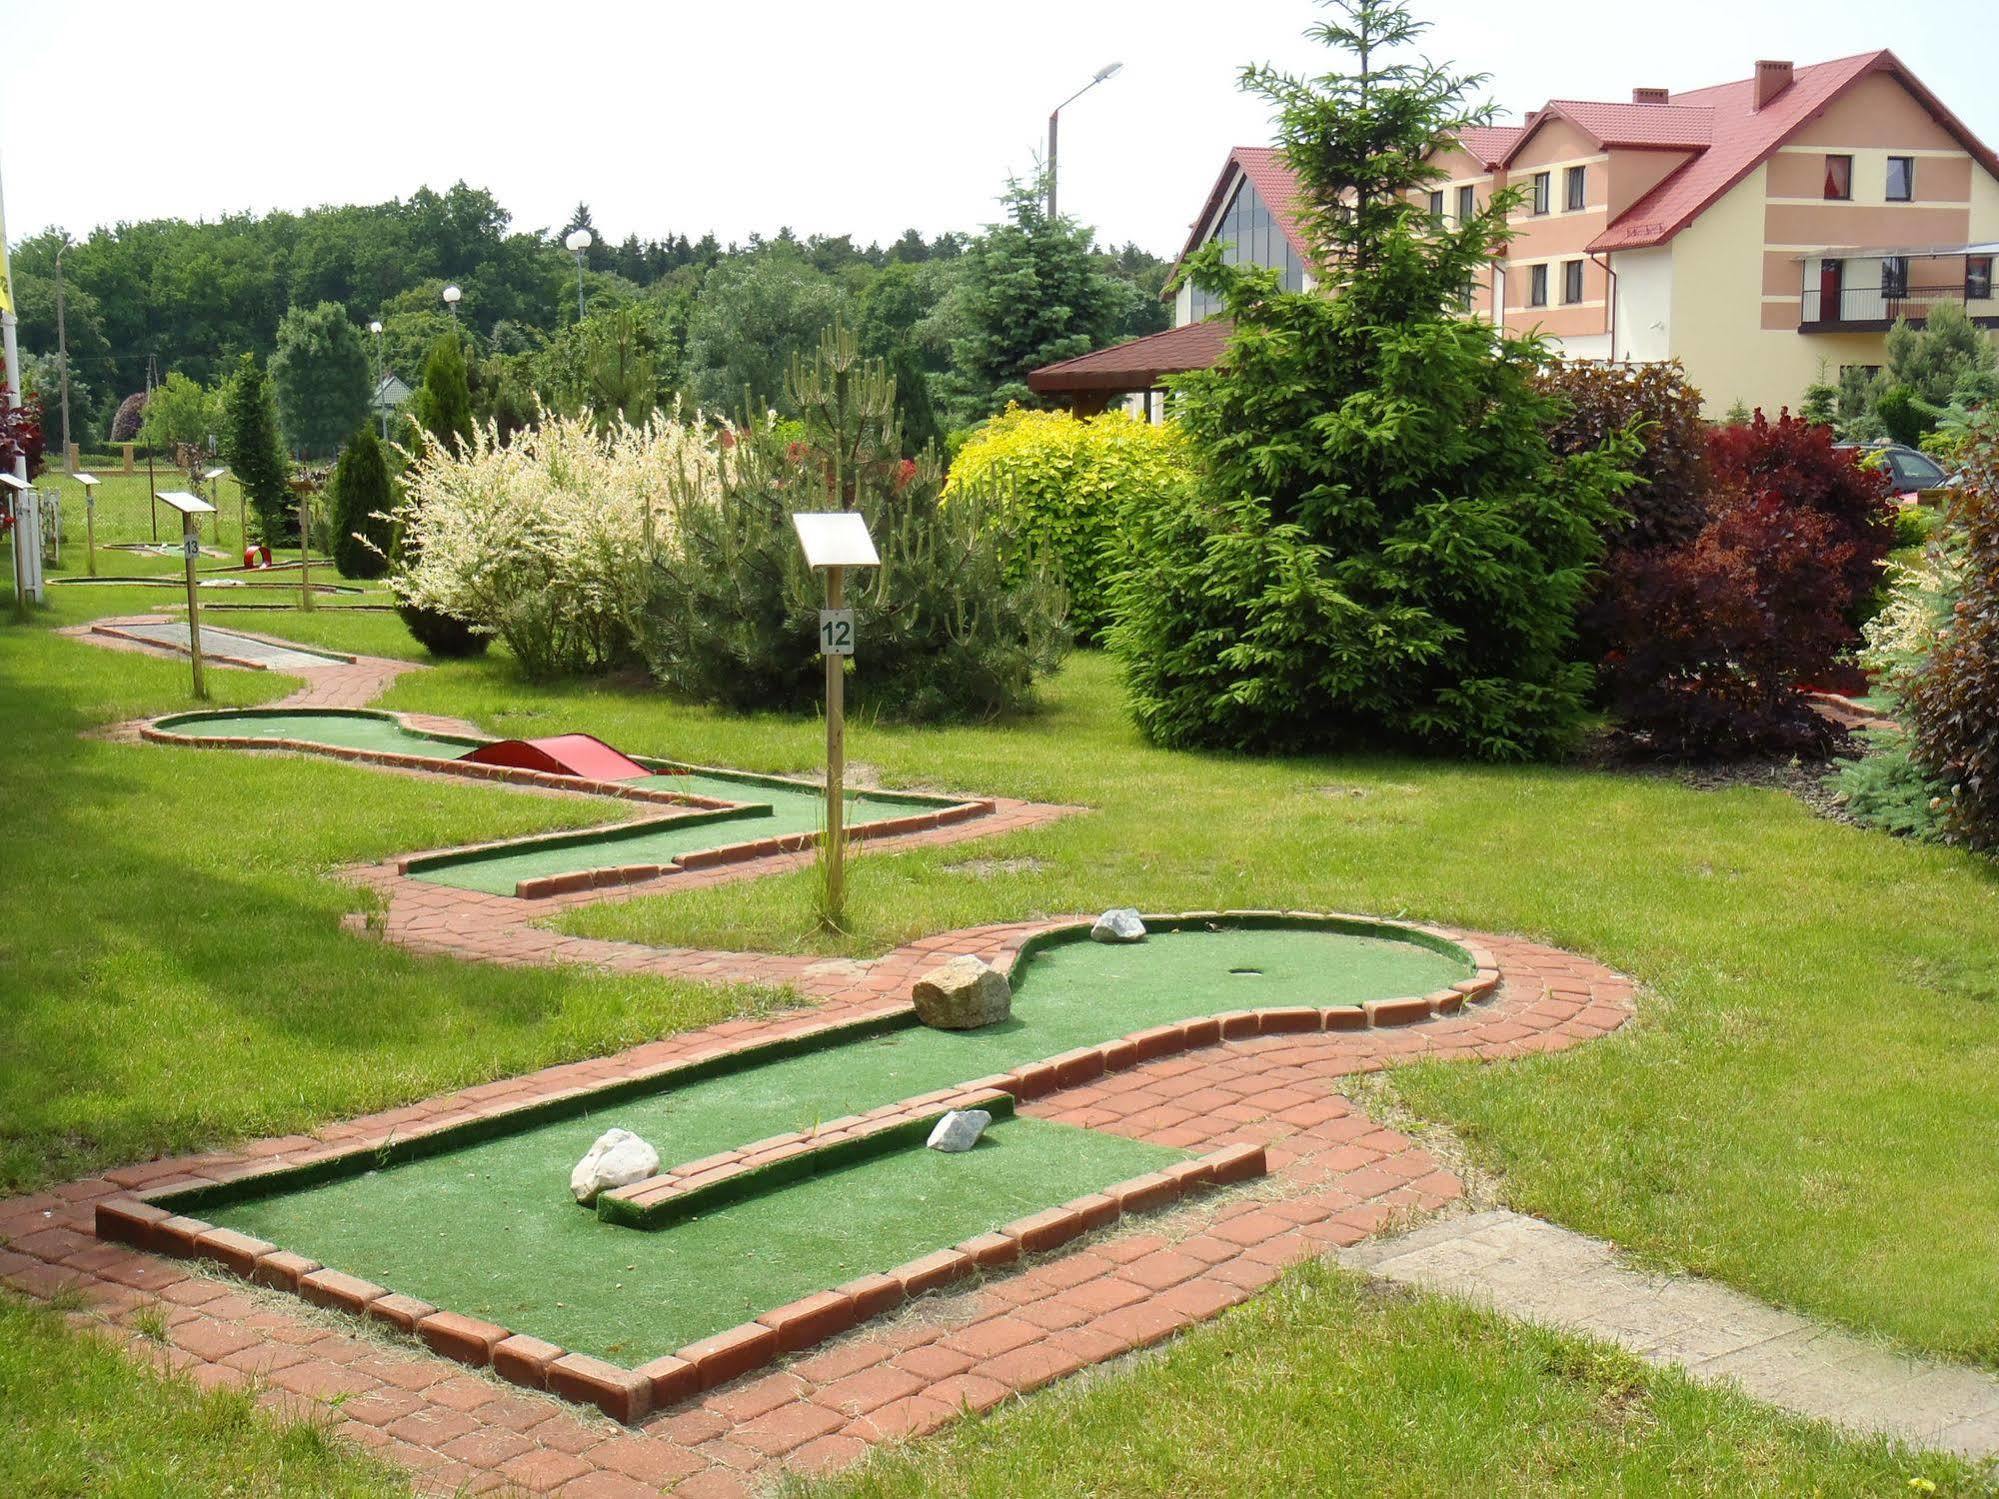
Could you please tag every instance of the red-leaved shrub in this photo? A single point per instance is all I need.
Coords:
(1952, 701)
(20, 433)
(131, 414)
(1795, 461)
(1715, 638)
(1668, 503)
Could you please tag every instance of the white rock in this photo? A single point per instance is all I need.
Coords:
(618, 1159)
(959, 1130)
(1119, 925)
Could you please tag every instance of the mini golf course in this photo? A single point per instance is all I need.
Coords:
(476, 1218)
(737, 806)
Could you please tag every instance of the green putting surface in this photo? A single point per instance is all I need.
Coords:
(771, 808)
(488, 1229)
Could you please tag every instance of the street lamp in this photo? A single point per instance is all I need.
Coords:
(451, 296)
(578, 241)
(381, 401)
(1054, 114)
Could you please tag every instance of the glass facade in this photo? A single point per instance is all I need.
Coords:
(1252, 237)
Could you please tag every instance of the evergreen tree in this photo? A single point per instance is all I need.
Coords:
(251, 448)
(322, 376)
(1384, 547)
(442, 405)
(361, 503)
(1035, 292)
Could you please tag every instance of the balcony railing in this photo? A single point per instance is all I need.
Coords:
(1872, 308)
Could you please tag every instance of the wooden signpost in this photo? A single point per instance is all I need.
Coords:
(191, 511)
(834, 542)
(89, 483)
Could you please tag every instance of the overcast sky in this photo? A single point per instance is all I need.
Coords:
(831, 116)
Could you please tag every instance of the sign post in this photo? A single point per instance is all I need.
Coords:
(213, 479)
(834, 542)
(89, 483)
(191, 511)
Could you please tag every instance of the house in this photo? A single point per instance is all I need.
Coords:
(390, 395)
(1758, 231)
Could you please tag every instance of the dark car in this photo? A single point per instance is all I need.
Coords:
(1909, 472)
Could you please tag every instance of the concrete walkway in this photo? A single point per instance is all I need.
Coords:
(230, 646)
(1538, 1272)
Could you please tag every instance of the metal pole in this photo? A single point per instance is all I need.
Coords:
(836, 760)
(304, 546)
(579, 286)
(1053, 116)
(90, 527)
(190, 546)
(62, 358)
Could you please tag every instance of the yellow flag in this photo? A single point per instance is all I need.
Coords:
(6, 276)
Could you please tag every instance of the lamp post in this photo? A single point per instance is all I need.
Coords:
(451, 296)
(578, 241)
(1055, 115)
(381, 400)
(62, 358)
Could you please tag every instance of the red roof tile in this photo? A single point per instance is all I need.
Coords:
(1689, 126)
(1742, 137)
(1490, 143)
(1138, 363)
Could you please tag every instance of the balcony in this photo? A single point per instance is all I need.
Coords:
(1875, 309)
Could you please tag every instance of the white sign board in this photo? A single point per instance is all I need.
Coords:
(837, 538)
(836, 632)
(186, 503)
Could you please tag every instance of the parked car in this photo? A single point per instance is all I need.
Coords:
(1913, 475)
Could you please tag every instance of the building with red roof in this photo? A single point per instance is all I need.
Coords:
(1758, 231)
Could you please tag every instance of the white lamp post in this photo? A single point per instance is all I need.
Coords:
(1055, 114)
(578, 241)
(381, 404)
(451, 296)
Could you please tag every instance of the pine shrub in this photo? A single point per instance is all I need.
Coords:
(361, 508)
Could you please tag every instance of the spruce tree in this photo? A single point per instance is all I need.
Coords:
(442, 405)
(1383, 547)
(360, 502)
(1034, 293)
(321, 373)
(251, 448)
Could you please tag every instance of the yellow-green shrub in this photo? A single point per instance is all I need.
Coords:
(1063, 481)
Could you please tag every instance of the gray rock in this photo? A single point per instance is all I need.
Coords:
(1119, 925)
(963, 995)
(618, 1159)
(959, 1130)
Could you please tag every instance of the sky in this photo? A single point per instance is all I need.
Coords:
(862, 117)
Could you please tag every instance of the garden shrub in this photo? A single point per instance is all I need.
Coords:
(1384, 547)
(361, 503)
(1951, 702)
(1667, 501)
(20, 433)
(1795, 462)
(442, 634)
(543, 541)
(1713, 640)
(1886, 789)
(948, 629)
(251, 448)
(129, 418)
(1064, 483)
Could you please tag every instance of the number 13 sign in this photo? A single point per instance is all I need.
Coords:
(836, 632)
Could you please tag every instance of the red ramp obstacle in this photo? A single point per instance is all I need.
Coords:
(582, 755)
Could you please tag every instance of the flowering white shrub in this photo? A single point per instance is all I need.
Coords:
(545, 540)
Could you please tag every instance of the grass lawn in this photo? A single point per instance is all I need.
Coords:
(84, 1421)
(1325, 1386)
(1790, 1114)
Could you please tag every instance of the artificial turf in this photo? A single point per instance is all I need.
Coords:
(488, 1229)
(771, 808)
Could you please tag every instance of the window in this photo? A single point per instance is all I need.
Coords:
(1467, 205)
(1574, 188)
(1572, 281)
(1838, 177)
(1894, 276)
(1537, 286)
(1437, 207)
(1250, 236)
(1901, 178)
(1540, 192)
(1913, 471)
(1977, 278)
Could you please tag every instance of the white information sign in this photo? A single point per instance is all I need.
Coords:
(836, 632)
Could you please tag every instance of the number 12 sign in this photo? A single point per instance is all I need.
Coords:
(836, 632)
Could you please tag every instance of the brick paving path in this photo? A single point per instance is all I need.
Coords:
(1336, 1177)
(1537, 1271)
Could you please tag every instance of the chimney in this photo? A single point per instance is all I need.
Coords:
(1772, 78)
(1650, 96)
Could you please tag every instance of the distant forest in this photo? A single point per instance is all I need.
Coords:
(718, 323)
